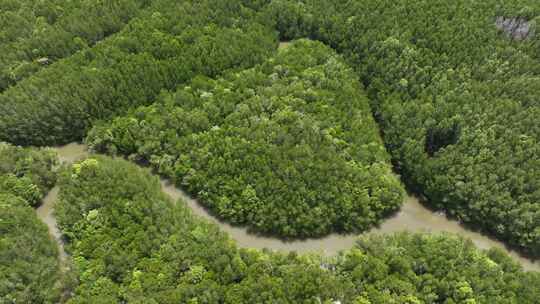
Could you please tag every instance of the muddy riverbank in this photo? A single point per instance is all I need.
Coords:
(66, 154)
(413, 217)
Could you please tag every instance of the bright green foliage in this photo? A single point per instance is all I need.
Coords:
(434, 268)
(289, 147)
(165, 46)
(22, 187)
(37, 33)
(131, 244)
(27, 172)
(29, 270)
(456, 98)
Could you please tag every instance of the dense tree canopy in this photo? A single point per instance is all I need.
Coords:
(27, 172)
(29, 270)
(131, 244)
(281, 141)
(288, 147)
(434, 268)
(178, 40)
(456, 97)
(37, 33)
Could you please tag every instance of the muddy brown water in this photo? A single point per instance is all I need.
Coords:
(413, 217)
(66, 154)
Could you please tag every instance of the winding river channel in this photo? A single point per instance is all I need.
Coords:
(413, 217)
(66, 154)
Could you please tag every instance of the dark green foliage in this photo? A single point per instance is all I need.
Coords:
(131, 244)
(34, 34)
(292, 19)
(456, 98)
(22, 187)
(288, 147)
(29, 270)
(27, 172)
(434, 268)
(164, 47)
(438, 138)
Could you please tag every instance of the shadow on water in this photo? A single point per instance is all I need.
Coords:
(413, 217)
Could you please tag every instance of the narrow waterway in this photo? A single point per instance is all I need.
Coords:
(66, 154)
(413, 217)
